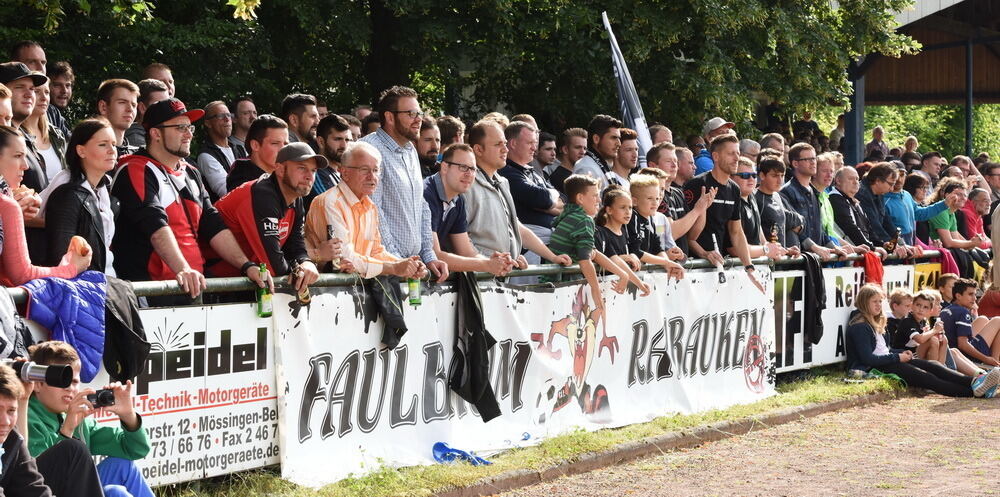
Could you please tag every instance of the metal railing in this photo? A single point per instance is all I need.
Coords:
(227, 285)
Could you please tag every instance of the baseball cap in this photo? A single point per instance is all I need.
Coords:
(300, 152)
(714, 124)
(165, 110)
(12, 71)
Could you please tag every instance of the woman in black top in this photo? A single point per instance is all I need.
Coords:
(610, 237)
(84, 206)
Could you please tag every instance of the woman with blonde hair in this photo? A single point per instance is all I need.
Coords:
(867, 348)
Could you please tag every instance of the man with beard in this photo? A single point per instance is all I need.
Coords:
(404, 217)
(218, 155)
(428, 146)
(300, 112)
(267, 216)
(165, 210)
(332, 136)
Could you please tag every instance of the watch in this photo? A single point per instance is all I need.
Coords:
(749, 267)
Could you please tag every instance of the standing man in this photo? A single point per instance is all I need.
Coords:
(150, 92)
(165, 211)
(404, 218)
(492, 220)
(572, 145)
(660, 133)
(663, 156)
(245, 112)
(117, 100)
(545, 157)
(452, 130)
(720, 230)
(604, 138)
(299, 111)
(877, 143)
(218, 155)
(32, 55)
(713, 127)
(163, 73)
(333, 134)
(428, 146)
(801, 196)
(268, 134)
(267, 217)
(536, 202)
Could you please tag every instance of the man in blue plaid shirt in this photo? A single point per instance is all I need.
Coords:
(404, 218)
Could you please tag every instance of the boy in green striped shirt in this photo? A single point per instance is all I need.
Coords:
(573, 234)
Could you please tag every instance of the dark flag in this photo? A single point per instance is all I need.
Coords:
(628, 99)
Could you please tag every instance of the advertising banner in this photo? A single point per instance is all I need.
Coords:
(349, 405)
(207, 395)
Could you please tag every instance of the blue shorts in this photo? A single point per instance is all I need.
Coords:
(980, 344)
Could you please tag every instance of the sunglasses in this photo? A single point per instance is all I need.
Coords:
(745, 175)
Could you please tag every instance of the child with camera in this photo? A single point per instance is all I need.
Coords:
(57, 414)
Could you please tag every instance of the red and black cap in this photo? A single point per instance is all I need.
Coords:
(165, 110)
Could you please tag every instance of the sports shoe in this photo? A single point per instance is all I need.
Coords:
(991, 393)
(985, 382)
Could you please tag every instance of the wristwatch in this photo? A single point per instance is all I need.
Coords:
(749, 267)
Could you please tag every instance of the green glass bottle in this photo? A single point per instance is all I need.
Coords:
(264, 308)
(413, 289)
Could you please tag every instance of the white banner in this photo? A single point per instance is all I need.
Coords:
(349, 405)
(207, 396)
(793, 350)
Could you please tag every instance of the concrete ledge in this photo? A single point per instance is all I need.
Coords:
(660, 444)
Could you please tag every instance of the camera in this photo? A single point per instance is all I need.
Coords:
(102, 398)
(56, 375)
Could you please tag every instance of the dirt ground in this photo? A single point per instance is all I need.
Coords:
(913, 446)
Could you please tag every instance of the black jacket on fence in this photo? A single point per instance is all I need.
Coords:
(814, 298)
(469, 372)
(125, 345)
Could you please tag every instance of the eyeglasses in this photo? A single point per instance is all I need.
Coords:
(365, 170)
(414, 114)
(461, 167)
(805, 159)
(745, 175)
(183, 128)
(224, 115)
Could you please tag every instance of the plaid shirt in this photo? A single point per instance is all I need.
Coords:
(404, 218)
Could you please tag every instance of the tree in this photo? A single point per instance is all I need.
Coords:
(689, 58)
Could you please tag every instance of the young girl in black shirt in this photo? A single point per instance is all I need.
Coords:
(610, 238)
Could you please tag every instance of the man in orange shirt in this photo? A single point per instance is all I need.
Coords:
(348, 213)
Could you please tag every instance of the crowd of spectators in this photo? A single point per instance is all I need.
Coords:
(388, 189)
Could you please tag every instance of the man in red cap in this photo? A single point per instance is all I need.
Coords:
(165, 209)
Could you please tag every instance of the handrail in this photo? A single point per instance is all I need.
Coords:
(225, 285)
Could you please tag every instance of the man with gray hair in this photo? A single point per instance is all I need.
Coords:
(877, 143)
(970, 216)
(749, 149)
(346, 212)
(218, 154)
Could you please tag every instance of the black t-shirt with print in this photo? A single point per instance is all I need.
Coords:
(725, 208)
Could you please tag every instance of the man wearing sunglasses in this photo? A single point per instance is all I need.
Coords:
(758, 245)
(443, 192)
(218, 155)
(165, 210)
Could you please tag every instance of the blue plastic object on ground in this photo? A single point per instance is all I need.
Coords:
(444, 453)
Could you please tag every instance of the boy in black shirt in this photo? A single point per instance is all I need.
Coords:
(642, 238)
(912, 331)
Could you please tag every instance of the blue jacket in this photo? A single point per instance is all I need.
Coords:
(861, 349)
(805, 201)
(905, 212)
(882, 229)
(73, 311)
(703, 162)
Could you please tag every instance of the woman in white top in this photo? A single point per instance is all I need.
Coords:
(49, 141)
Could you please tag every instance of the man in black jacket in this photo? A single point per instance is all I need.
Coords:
(67, 467)
(877, 182)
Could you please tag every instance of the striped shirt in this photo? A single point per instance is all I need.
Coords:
(355, 222)
(573, 233)
(405, 219)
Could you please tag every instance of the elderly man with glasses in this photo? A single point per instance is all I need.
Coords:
(219, 153)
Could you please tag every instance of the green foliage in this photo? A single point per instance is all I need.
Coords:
(937, 127)
(689, 58)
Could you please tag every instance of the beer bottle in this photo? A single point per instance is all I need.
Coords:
(890, 246)
(413, 289)
(773, 236)
(304, 296)
(264, 308)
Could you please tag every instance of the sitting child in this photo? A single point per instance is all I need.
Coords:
(980, 343)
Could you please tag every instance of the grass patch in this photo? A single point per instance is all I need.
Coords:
(819, 386)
